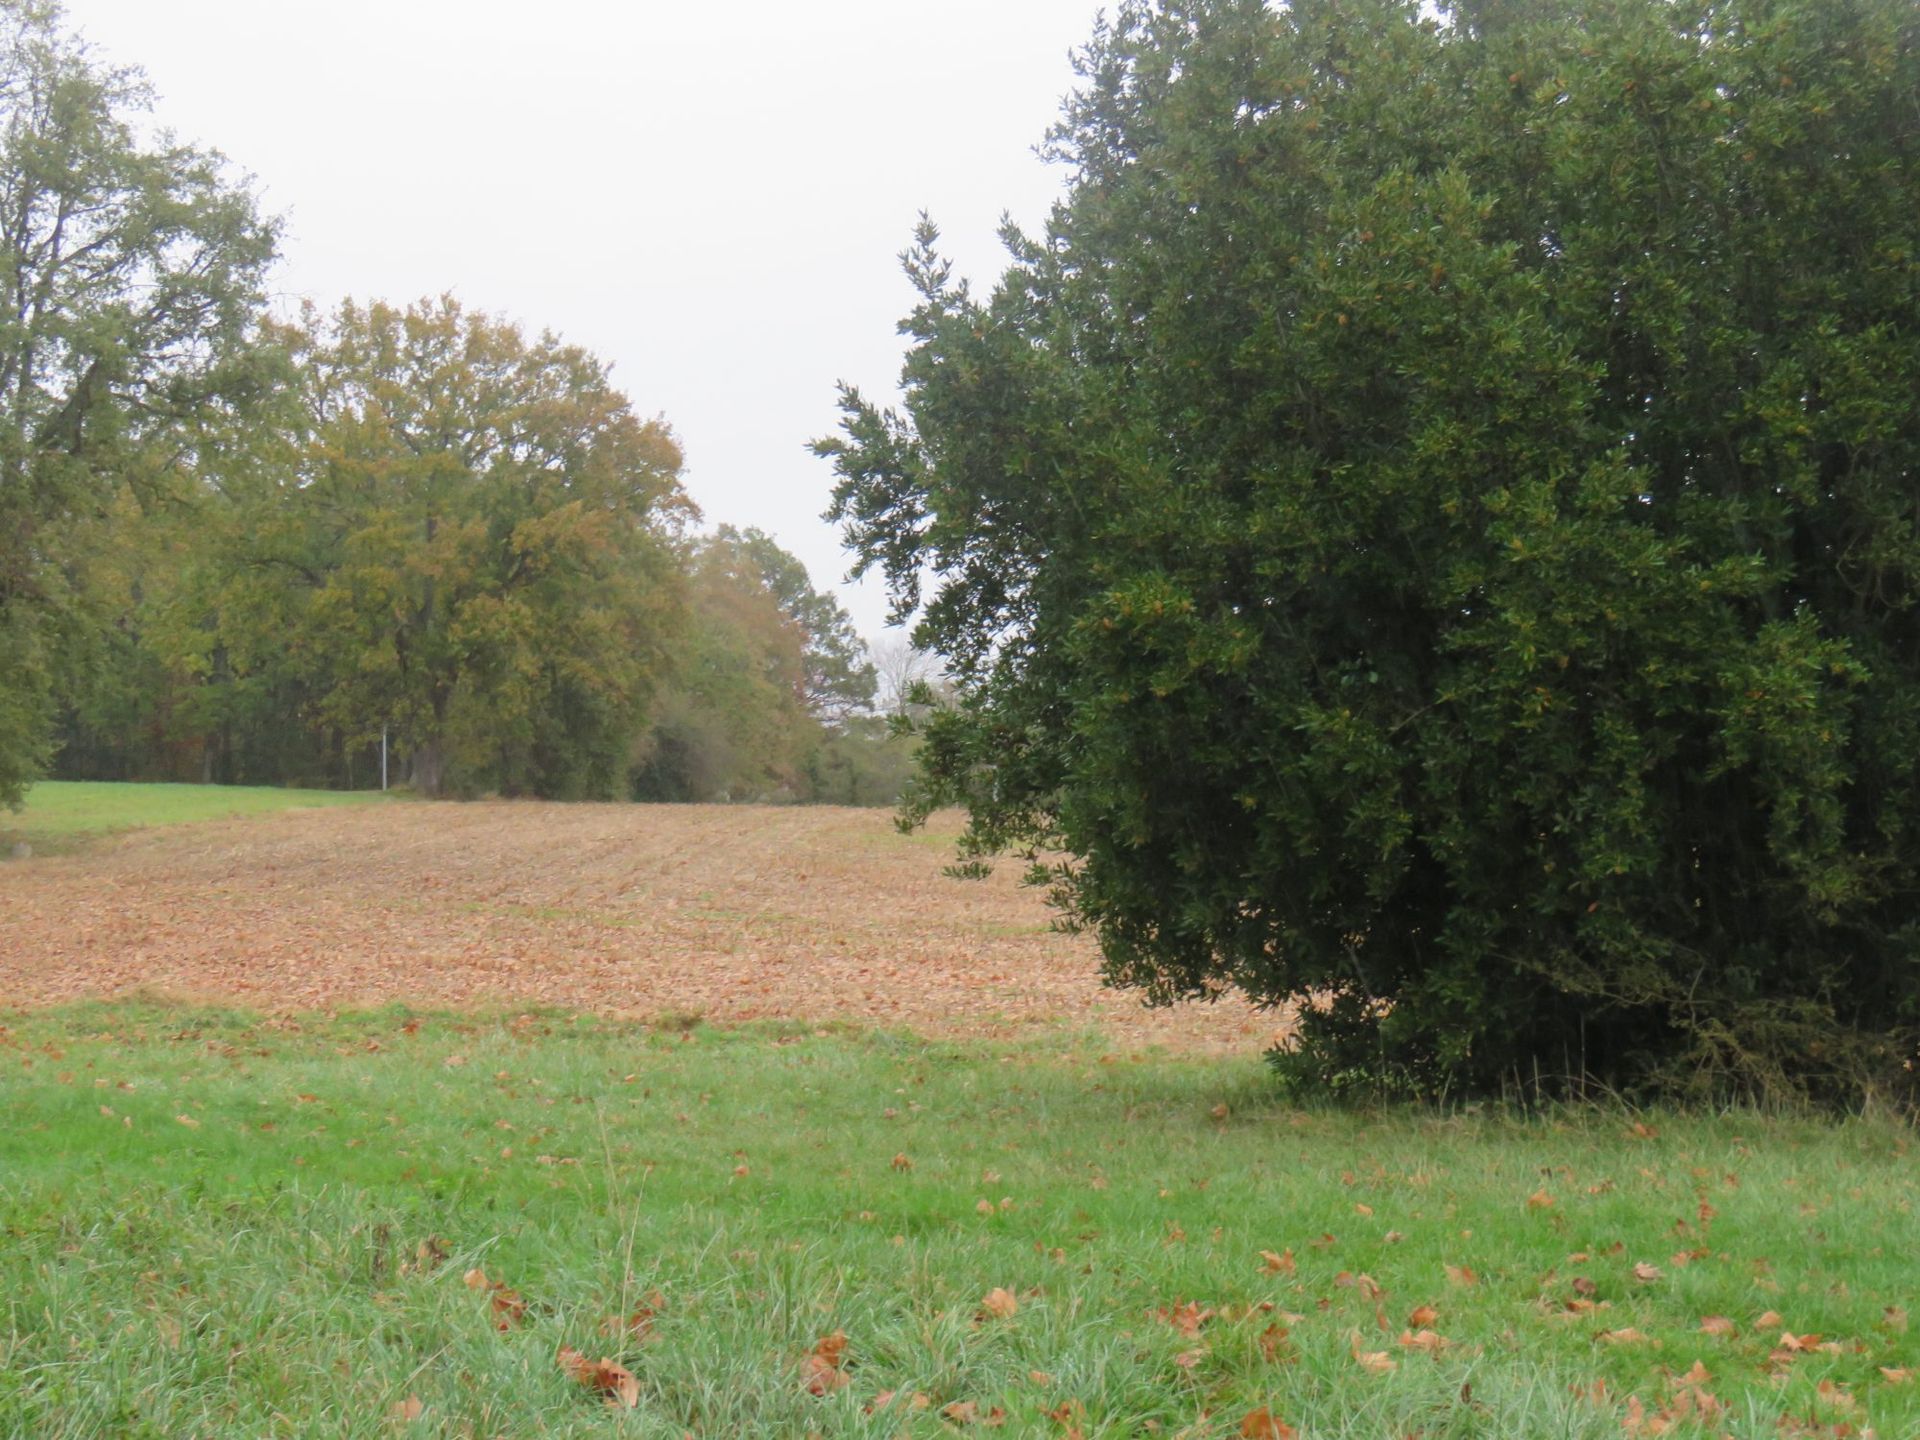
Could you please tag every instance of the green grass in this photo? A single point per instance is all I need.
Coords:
(274, 1267)
(59, 815)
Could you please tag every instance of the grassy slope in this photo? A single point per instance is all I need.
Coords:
(59, 813)
(257, 1270)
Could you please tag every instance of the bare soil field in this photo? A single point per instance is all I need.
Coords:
(728, 913)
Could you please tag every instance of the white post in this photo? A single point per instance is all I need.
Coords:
(383, 757)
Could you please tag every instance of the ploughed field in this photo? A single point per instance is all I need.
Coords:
(726, 913)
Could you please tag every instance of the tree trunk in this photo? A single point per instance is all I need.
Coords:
(426, 767)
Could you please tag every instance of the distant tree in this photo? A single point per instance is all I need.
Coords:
(839, 679)
(1433, 523)
(130, 273)
(464, 535)
(734, 722)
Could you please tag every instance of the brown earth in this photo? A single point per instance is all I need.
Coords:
(725, 912)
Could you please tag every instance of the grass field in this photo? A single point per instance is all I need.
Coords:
(60, 813)
(445, 1132)
(218, 1225)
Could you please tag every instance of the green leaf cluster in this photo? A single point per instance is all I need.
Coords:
(1433, 525)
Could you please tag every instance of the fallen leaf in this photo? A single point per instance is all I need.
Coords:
(1261, 1425)
(1897, 1375)
(1646, 1274)
(1769, 1321)
(1719, 1325)
(1281, 1264)
(1375, 1362)
(606, 1377)
(901, 1162)
(1187, 1359)
(1186, 1318)
(188, 1121)
(1835, 1395)
(961, 1412)
(821, 1366)
(1273, 1343)
(1625, 1336)
(407, 1409)
(1539, 1200)
(1425, 1340)
(1000, 1303)
(1422, 1316)
(1219, 1112)
(1462, 1275)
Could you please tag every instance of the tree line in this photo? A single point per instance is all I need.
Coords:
(241, 548)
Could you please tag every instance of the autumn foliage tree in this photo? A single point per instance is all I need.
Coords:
(1432, 523)
(462, 535)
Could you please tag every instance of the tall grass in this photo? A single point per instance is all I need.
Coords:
(223, 1226)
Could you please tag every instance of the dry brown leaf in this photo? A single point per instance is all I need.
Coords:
(410, 1408)
(1375, 1362)
(902, 1161)
(1273, 1344)
(1262, 1425)
(1540, 1200)
(1187, 1318)
(1834, 1395)
(1422, 1316)
(1625, 1336)
(603, 1376)
(1425, 1340)
(960, 1412)
(1769, 1321)
(821, 1368)
(1463, 1276)
(1000, 1303)
(1719, 1325)
(1646, 1274)
(1897, 1374)
(1281, 1264)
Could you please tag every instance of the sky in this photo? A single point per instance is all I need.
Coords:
(711, 197)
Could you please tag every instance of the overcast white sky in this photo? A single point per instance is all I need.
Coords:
(711, 197)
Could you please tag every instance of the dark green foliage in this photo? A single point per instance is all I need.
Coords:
(1436, 523)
